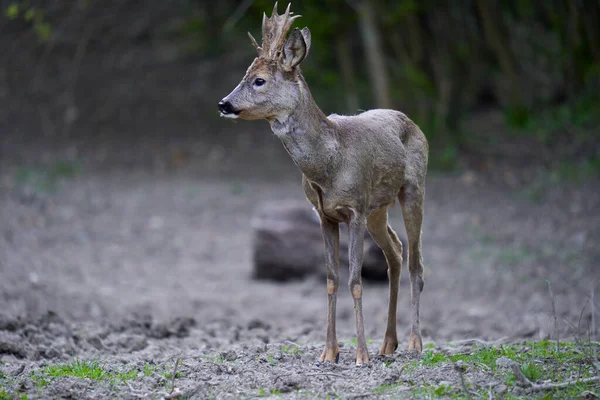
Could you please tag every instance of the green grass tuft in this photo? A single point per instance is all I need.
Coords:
(79, 369)
(532, 371)
(294, 350)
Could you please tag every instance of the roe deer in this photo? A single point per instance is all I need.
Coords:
(353, 169)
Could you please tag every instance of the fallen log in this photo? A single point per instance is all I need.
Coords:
(287, 245)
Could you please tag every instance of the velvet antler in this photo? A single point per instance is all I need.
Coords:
(274, 32)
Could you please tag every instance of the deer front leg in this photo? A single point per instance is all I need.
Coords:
(331, 237)
(355, 257)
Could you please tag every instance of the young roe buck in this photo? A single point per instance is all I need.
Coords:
(353, 169)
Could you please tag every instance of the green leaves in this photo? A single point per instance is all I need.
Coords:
(33, 15)
(12, 11)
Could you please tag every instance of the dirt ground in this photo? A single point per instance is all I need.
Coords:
(125, 239)
(145, 265)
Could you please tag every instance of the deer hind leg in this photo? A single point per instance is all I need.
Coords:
(411, 199)
(388, 241)
(355, 257)
(331, 237)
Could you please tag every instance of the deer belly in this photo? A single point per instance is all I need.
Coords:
(381, 198)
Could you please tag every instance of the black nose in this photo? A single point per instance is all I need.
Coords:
(225, 107)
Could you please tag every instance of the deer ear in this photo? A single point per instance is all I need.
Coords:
(295, 49)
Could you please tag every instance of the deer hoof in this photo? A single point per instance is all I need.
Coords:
(362, 356)
(331, 355)
(415, 343)
(388, 347)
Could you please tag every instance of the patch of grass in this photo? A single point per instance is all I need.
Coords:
(169, 375)
(84, 370)
(532, 371)
(271, 360)
(215, 359)
(78, 369)
(4, 395)
(538, 361)
(484, 357)
(39, 380)
(442, 390)
(294, 350)
(262, 392)
(430, 358)
(385, 387)
(149, 369)
(125, 376)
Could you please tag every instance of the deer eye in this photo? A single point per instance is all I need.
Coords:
(259, 82)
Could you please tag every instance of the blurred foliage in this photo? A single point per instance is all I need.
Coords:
(29, 14)
(537, 60)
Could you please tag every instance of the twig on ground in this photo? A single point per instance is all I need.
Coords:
(326, 374)
(134, 392)
(463, 384)
(580, 318)
(370, 394)
(19, 370)
(174, 376)
(459, 368)
(593, 333)
(555, 317)
(174, 395)
(184, 394)
(314, 374)
(548, 386)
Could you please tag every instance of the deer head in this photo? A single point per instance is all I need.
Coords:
(270, 88)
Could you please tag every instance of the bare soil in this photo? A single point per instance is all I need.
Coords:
(148, 265)
(125, 238)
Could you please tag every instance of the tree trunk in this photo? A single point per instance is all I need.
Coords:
(494, 31)
(375, 58)
(344, 57)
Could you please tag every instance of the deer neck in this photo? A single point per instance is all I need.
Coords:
(309, 137)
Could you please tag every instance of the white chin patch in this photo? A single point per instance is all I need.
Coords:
(230, 115)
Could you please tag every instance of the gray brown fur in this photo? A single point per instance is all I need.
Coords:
(353, 169)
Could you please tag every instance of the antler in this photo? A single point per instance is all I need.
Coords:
(274, 31)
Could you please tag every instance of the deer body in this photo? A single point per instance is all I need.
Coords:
(353, 169)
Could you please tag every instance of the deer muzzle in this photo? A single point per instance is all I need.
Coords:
(227, 110)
